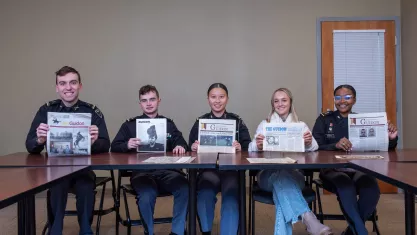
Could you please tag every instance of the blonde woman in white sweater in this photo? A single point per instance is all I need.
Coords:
(286, 185)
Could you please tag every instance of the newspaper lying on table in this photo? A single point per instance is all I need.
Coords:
(169, 160)
(68, 134)
(286, 137)
(284, 160)
(353, 157)
(216, 135)
(368, 131)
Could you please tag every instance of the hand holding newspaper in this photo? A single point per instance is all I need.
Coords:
(68, 134)
(216, 135)
(152, 133)
(368, 131)
(285, 137)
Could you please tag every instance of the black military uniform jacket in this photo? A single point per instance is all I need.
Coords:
(330, 127)
(128, 130)
(101, 145)
(242, 132)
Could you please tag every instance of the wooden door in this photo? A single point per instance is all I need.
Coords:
(327, 68)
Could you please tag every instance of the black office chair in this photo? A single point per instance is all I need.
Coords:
(100, 182)
(321, 216)
(258, 195)
(128, 222)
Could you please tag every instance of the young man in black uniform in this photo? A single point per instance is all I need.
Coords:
(68, 85)
(149, 183)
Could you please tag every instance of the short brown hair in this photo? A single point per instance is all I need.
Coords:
(66, 70)
(148, 88)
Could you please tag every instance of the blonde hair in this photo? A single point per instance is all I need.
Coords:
(292, 108)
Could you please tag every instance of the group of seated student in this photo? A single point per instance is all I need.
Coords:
(330, 132)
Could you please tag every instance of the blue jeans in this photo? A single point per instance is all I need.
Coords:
(209, 183)
(286, 186)
(148, 184)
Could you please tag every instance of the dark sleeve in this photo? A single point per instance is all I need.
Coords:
(119, 144)
(193, 134)
(102, 144)
(243, 136)
(176, 137)
(31, 145)
(319, 132)
(392, 144)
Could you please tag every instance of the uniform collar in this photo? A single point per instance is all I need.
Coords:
(212, 116)
(146, 116)
(339, 118)
(75, 107)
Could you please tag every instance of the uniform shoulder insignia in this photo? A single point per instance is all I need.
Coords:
(94, 108)
(167, 118)
(53, 102)
(206, 115)
(131, 119)
(234, 115)
(328, 112)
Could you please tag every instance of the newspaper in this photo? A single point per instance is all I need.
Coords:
(286, 137)
(68, 134)
(284, 160)
(216, 135)
(353, 157)
(169, 160)
(152, 134)
(368, 131)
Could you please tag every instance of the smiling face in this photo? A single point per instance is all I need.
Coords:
(344, 101)
(217, 99)
(68, 87)
(282, 103)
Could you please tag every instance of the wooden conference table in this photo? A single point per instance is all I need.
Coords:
(21, 184)
(120, 161)
(239, 162)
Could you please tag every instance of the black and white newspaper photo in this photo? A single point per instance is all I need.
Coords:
(69, 134)
(152, 133)
(368, 131)
(216, 135)
(285, 137)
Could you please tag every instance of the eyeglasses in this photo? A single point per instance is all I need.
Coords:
(345, 97)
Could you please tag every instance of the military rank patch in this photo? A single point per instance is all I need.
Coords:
(98, 112)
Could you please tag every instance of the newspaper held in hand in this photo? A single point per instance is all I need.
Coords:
(216, 135)
(368, 131)
(169, 160)
(285, 137)
(152, 133)
(284, 160)
(68, 134)
(353, 157)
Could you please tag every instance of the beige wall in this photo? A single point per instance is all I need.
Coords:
(409, 70)
(181, 46)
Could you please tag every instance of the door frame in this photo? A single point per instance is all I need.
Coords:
(398, 76)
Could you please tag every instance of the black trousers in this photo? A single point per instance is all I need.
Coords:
(83, 187)
(349, 185)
